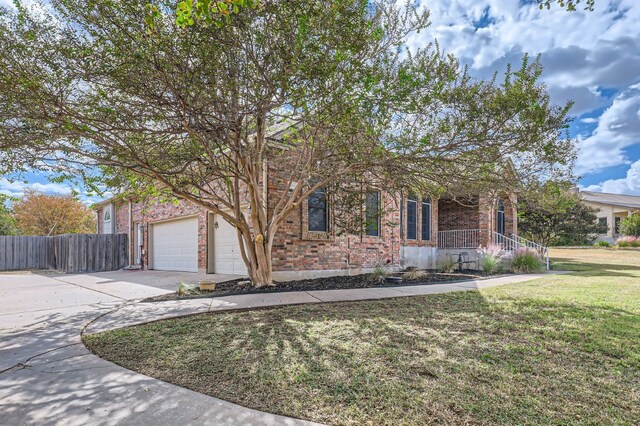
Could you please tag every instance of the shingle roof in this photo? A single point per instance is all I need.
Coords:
(631, 201)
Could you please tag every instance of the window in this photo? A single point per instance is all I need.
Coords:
(426, 219)
(372, 213)
(107, 216)
(412, 217)
(401, 217)
(617, 224)
(602, 221)
(500, 217)
(318, 217)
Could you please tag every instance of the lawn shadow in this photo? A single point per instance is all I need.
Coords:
(351, 357)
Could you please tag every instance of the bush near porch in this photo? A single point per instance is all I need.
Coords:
(563, 349)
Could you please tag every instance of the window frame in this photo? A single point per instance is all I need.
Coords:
(107, 211)
(426, 202)
(369, 230)
(310, 207)
(412, 200)
(616, 224)
(501, 226)
(604, 221)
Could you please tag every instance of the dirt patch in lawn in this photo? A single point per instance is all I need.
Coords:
(243, 286)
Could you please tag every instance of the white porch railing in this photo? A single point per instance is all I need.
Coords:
(515, 242)
(459, 238)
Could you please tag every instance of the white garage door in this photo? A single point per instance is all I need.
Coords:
(175, 245)
(226, 250)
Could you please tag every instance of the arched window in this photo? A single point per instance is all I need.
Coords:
(107, 216)
(500, 217)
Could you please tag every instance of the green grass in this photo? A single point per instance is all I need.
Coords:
(563, 349)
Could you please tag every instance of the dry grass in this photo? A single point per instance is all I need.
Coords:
(416, 274)
(563, 349)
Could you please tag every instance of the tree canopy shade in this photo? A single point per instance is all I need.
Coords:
(41, 214)
(191, 111)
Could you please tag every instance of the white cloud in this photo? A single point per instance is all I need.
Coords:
(582, 52)
(17, 188)
(618, 128)
(630, 184)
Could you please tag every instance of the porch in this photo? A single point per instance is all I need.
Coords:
(479, 222)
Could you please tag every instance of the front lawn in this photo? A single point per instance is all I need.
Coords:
(563, 349)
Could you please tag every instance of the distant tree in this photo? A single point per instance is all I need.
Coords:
(630, 225)
(7, 223)
(40, 214)
(551, 214)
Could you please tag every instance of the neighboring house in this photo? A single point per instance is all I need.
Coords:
(612, 208)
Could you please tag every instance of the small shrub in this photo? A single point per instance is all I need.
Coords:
(630, 225)
(491, 259)
(415, 274)
(448, 265)
(628, 241)
(186, 289)
(602, 244)
(379, 274)
(526, 261)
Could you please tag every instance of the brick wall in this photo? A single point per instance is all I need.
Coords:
(297, 249)
(478, 214)
(453, 216)
(154, 211)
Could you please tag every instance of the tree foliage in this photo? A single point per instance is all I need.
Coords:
(219, 13)
(570, 5)
(41, 214)
(193, 111)
(552, 214)
(7, 223)
(630, 225)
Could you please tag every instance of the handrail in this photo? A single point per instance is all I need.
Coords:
(527, 243)
(459, 238)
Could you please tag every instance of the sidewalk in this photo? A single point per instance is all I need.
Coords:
(139, 313)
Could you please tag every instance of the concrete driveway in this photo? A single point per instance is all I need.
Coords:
(48, 377)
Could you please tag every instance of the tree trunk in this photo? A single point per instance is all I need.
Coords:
(262, 274)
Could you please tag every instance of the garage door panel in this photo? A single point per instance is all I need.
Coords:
(226, 250)
(175, 245)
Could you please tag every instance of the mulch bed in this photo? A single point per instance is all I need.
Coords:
(242, 286)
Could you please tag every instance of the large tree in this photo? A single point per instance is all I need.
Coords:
(187, 110)
(36, 213)
(552, 213)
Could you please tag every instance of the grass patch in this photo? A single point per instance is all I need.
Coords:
(564, 349)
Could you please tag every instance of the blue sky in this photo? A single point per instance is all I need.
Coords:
(592, 58)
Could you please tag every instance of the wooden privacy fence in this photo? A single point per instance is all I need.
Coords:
(70, 253)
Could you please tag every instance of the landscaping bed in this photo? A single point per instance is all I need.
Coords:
(243, 286)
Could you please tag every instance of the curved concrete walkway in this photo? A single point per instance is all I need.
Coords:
(47, 376)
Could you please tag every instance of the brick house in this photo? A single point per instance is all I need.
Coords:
(412, 231)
